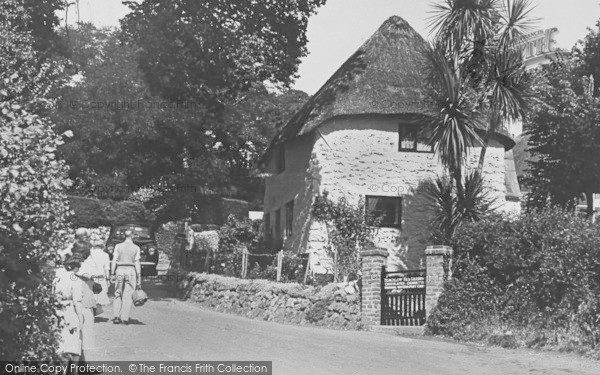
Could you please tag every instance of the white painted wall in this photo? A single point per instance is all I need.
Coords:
(358, 156)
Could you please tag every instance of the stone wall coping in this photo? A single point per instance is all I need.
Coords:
(438, 250)
(374, 252)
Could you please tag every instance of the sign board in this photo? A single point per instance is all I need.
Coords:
(397, 282)
(537, 43)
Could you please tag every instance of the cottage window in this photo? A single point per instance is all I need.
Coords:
(289, 218)
(384, 211)
(278, 224)
(280, 159)
(410, 141)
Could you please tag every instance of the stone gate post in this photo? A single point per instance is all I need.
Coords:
(439, 269)
(373, 260)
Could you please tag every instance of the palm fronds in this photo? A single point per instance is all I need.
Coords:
(458, 23)
(453, 130)
(451, 208)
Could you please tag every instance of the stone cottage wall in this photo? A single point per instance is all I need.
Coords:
(334, 305)
(359, 156)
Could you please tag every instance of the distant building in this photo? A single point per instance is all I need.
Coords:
(358, 137)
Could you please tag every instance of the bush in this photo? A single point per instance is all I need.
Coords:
(33, 214)
(94, 213)
(347, 233)
(537, 276)
(239, 234)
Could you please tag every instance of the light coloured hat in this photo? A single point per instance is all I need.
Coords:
(81, 232)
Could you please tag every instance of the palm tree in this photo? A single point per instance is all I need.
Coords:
(477, 81)
(453, 131)
(479, 41)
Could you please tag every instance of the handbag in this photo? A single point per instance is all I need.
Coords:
(96, 288)
(139, 297)
(98, 310)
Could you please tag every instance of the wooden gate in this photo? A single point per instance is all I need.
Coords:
(403, 298)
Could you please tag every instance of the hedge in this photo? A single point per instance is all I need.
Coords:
(93, 213)
(537, 277)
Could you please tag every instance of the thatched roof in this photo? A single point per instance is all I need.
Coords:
(384, 77)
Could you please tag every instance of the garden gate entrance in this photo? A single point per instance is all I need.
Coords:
(403, 297)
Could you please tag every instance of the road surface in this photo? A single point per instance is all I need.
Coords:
(169, 329)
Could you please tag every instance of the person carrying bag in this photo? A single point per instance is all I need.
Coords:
(126, 270)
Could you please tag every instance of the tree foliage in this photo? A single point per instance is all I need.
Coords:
(33, 208)
(210, 50)
(126, 138)
(564, 130)
(587, 52)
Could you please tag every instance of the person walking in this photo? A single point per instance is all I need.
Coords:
(100, 272)
(82, 235)
(88, 300)
(69, 291)
(126, 269)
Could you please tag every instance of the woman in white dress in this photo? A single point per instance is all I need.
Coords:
(101, 272)
(68, 289)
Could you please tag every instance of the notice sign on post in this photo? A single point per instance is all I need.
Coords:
(399, 281)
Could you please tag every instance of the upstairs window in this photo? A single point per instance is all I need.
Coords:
(410, 141)
(289, 218)
(383, 212)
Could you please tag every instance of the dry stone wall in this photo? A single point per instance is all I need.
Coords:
(333, 305)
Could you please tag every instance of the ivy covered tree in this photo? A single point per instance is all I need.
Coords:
(33, 208)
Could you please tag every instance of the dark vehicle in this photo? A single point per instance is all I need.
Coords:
(143, 236)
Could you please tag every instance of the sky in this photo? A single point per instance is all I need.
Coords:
(342, 26)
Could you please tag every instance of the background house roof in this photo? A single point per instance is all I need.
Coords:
(385, 76)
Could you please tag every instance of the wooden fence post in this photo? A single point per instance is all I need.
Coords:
(244, 262)
(306, 272)
(335, 266)
(279, 264)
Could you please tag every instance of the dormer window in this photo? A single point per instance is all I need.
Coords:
(410, 141)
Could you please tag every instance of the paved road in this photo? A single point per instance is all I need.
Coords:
(169, 329)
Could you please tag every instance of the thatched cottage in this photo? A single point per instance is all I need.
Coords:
(357, 137)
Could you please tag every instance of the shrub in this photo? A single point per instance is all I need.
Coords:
(536, 276)
(33, 213)
(239, 234)
(235, 236)
(93, 213)
(347, 233)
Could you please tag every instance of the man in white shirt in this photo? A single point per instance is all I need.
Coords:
(127, 269)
